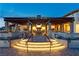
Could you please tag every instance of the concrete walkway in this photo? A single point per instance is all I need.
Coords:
(39, 39)
(14, 52)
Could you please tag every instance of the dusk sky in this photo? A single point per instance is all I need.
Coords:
(25, 10)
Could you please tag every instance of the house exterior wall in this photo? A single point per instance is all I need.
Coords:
(76, 22)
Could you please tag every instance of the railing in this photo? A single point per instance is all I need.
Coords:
(10, 35)
(67, 36)
(49, 41)
(38, 45)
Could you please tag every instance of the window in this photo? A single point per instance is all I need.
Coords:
(77, 28)
(67, 27)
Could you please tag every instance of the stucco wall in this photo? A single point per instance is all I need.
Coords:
(76, 22)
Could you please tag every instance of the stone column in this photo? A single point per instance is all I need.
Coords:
(71, 27)
(6, 26)
(62, 27)
(29, 27)
(27, 24)
(49, 26)
(49, 30)
(56, 29)
(16, 27)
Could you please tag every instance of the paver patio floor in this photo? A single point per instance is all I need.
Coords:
(14, 52)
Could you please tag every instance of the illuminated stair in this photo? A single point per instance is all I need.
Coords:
(38, 46)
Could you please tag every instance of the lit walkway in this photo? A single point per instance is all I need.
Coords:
(38, 43)
(14, 52)
(39, 39)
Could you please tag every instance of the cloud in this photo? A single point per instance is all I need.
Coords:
(2, 23)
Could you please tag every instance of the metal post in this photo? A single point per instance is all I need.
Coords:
(46, 28)
(50, 47)
(27, 46)
(9, 42)
(68, 42)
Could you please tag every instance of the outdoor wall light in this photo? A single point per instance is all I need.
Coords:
(38, 25)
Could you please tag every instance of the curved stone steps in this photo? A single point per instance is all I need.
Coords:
(23, 44)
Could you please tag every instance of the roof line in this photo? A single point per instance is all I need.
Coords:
(72, 12)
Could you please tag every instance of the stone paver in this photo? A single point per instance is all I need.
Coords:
(14, 52)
